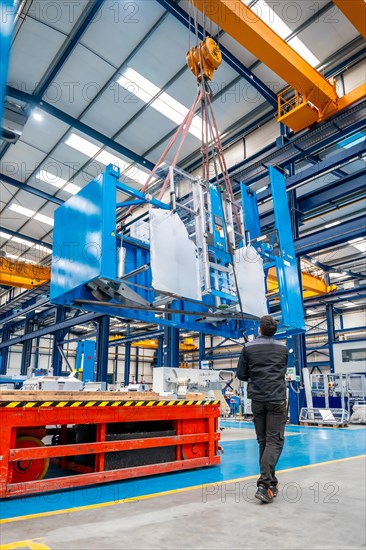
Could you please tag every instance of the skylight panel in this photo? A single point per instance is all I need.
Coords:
(22, 241)
(50, 178)
(21, 210)
(82, 145)
(72, 188)
(44, 219)
(4, 235)
(107, 158)
(360, 244)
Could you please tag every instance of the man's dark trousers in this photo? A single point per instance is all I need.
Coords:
(269, 421)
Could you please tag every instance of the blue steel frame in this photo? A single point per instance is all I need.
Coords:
(279, 252)
(86, 249)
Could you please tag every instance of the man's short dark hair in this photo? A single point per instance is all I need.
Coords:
(268, 325)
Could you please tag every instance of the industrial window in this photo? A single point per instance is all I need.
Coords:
(358, 354)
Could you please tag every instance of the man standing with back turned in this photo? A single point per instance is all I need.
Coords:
(263, 364)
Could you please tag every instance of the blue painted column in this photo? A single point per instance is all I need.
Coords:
(4, 353)
(127, 363)
(137, 358)
(160, 352)
(202, 348)
(27, 346)
(102, 348)
(298, 341)
(58, 336)
(115, 369)
(171, 347)
(331, 334)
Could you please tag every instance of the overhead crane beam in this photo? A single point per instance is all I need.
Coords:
(311, 285)
(355, 11)
(313, 97)
(23, 275)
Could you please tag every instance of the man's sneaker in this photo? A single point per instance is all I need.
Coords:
(264, 494)
(274, 489)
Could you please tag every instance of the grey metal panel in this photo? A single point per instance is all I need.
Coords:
(79, 81)
(122, 25)
(33, 50)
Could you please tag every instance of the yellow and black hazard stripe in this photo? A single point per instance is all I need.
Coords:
(73, 404)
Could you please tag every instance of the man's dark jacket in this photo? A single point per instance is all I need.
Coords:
(263, 364)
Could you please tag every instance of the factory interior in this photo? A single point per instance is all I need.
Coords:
(172, 171)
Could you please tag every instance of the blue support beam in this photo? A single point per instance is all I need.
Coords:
(30, 189)
(358, 292)
(78, 125)
(102, 348)
(333, 236)
(182, 16)
(50, 329)
(343, 157)
(350, 185)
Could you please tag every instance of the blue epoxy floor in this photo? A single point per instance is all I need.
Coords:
(305, 446)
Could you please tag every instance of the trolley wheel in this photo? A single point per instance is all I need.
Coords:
(29, 470)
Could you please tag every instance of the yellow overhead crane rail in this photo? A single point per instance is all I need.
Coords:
(311, 285)
(23, 275)
(310, 98)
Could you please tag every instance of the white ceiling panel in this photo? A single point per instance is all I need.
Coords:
(114, 108)
(328, 35)
(157, 62)
(78, 82)
(20, 160)
(45, 133)
(270, 78)
(149, 128)
(28, 200)
(121, 26)
(237, 50)
(295, 14)
(6, 194)
(36, 229)
(69, 156)
(33, 51)
(12, 220)
(60, 16)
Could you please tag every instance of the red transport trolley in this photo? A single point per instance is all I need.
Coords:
(99, 437)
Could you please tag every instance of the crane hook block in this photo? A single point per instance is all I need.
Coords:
(204, 59)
